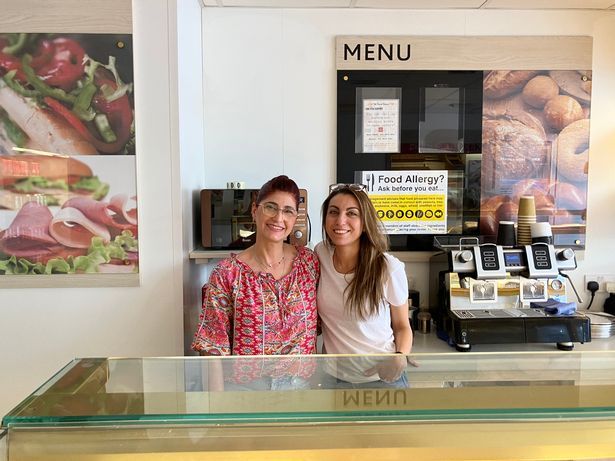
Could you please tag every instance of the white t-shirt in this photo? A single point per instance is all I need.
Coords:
(348, 334)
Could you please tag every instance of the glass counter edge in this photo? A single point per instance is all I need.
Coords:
(55, 377)
(451, 353)
(387, 416)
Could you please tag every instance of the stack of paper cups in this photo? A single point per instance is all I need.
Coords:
(541, 233)
(525, 217)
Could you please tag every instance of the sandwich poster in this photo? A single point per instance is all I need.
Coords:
(67, 155)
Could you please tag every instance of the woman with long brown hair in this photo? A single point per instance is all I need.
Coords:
(362, 293)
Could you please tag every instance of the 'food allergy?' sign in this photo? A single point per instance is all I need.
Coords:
(409, 202)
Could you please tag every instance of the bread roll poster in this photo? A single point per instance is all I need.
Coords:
(67, 154)
(535, 142)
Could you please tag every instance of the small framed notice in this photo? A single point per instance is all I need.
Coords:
(380, 125)
(378, 120)
(408, 202)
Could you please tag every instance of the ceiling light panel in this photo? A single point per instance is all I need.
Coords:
(419, 4)
(548, 4)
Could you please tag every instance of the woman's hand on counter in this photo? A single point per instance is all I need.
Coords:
(390, 369)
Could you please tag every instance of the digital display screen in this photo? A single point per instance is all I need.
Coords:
(512, 259)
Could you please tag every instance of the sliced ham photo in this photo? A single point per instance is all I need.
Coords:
(119, 204)
(114, 214)
(28, 235)
(94, 210)
(73, 229)
(84, 236)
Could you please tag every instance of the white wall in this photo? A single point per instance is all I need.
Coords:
(42, 329)
(271, 98)
(192, 161)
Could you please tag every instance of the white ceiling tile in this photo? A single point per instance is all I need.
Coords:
(419, 4)
(548, 4)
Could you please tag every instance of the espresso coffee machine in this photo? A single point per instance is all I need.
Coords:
(485, 292)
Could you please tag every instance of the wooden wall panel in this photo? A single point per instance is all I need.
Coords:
(473, 53)
(70, 16)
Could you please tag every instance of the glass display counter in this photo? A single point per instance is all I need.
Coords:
(528, 405)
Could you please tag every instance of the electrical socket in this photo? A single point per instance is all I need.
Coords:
(235, 185)
(610, 287)
(603, 280)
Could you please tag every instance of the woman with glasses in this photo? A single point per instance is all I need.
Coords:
(362, 293)
(262, 301)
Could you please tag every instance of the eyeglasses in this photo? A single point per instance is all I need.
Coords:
(271, 210)
(353, 187)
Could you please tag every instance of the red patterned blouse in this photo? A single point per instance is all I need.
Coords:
(250, 313)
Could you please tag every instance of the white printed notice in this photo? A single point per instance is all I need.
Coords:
(409, 202)
(380, 125)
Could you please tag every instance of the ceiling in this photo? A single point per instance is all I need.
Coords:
(420, 4)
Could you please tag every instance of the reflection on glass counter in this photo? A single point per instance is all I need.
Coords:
(320, 407)
(3, 447)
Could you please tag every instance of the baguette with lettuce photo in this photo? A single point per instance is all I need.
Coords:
(57, 98)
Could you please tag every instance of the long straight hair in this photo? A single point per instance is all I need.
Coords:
(365, 291)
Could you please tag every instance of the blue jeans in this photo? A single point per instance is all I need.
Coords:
(266, 383)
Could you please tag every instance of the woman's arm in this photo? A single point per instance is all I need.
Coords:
(214, 335)
(402, 332)
(392, 368)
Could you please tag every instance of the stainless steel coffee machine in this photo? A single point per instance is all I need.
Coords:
(488, 294)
